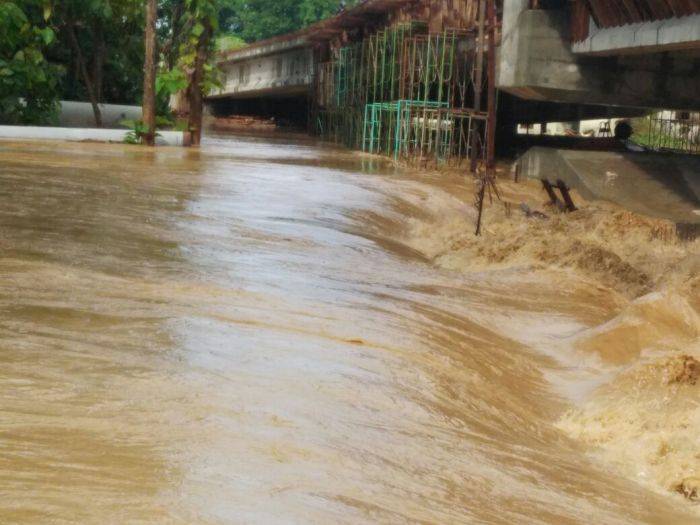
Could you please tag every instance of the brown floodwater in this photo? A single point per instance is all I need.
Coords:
(242, 334)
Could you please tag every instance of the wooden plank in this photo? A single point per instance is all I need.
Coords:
(553, 199)
(564, 190)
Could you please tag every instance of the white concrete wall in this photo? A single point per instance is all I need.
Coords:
(274, 73)
(165, 138)
(81, 115)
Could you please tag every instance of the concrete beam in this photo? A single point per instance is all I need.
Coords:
(260, 50)
(673, 34)
(280, 91)
(286, 72)
(537, 63)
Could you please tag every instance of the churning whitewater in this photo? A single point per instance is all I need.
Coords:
(275, 331)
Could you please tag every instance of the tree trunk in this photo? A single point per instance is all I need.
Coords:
(80, 62)
(195, 92)
(149, 74)
(99, 58)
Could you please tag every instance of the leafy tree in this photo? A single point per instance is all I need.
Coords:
(192, 30)
(28, 83)
(188, 72)
(101, 44)
(259, 19)
(94, 49)
(255, 20)
(197, 62)
(311, 11)
(229, 42)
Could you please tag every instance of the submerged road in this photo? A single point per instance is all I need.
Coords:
(240, 335)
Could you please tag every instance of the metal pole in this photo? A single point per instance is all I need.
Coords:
(491, 126)
(480, 197)
(478, 79)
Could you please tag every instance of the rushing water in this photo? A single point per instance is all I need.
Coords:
(239, 335)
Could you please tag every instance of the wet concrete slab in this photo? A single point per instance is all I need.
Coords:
(665, 186)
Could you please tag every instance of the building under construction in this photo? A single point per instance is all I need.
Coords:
(402, 78)
(415, 88)
(438, 82)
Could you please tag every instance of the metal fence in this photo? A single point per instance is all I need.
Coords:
(405, 93)
(674, 131)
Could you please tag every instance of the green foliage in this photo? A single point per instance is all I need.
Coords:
(213, 77)
(38, 62)
(138, 130)
(229, 43)
(110, 37)
(254, 20)
(259, 19)
(649, 132)
(28, 83)
(169, 82)
(311, 11)
(197, 24)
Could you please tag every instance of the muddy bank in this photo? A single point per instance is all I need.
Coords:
(644, 417)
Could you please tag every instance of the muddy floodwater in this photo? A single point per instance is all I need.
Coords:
(260, 332)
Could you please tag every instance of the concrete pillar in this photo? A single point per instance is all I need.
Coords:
(512, 9)
(511, 12)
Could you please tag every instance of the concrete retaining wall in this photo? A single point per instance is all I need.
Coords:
(166, 138)
(665, 186)
(81, 115)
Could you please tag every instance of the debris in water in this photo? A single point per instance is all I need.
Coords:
(530, 213)
(684, 370)
(689, 488)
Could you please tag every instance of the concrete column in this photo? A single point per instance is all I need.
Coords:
(512, 9)
(537, 64)
(511, 12)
